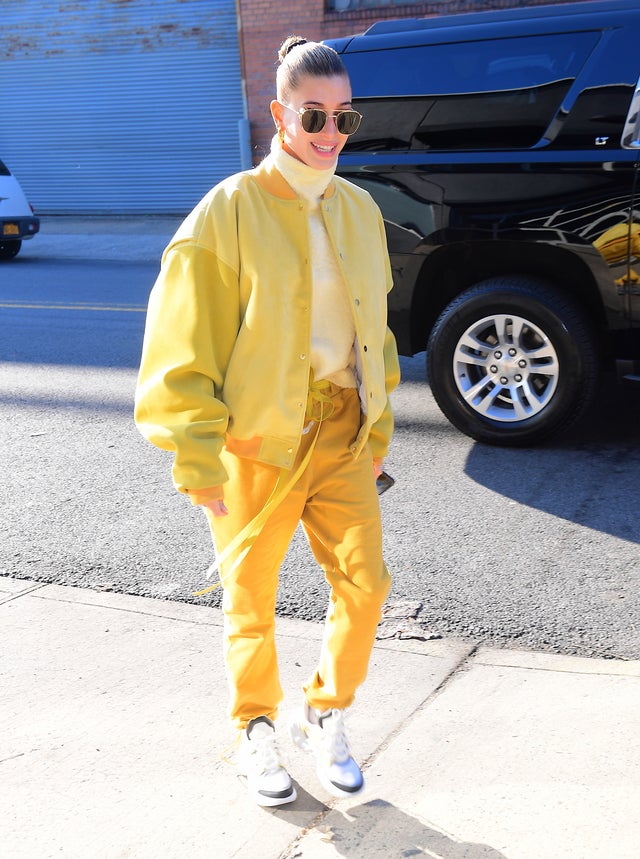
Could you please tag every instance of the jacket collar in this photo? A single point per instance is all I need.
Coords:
(271, 180)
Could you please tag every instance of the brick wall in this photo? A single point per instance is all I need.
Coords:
(265, 24)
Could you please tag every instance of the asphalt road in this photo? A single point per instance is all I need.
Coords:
(532, 548)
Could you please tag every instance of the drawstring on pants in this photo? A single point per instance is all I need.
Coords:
(319, 408)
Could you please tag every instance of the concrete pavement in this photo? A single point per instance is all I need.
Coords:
(130, 238)
(113, 737)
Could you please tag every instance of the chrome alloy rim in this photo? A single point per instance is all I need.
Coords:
(506, 368)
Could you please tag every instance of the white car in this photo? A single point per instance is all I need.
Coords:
(17, 221)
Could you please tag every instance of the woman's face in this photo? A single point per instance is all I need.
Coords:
(331, 94)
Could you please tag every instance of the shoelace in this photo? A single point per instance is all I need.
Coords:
(227, 754)
(266, 754)
(333, 738)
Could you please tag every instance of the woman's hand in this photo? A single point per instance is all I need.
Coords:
(378, 468)
(216, 506)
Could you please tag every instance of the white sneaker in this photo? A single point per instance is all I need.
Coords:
(259, 760)
(339, 774)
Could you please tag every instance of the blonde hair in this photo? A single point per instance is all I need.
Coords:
(299, 58)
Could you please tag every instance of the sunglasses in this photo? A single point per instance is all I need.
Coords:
(313, 119)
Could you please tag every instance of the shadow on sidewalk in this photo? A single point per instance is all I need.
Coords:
(379, 828)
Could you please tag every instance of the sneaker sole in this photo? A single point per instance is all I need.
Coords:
(301, 740)
(273, 801)
(334, 790)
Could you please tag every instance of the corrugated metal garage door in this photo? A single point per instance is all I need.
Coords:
(120, 107)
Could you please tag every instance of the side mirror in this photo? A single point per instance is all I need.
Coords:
(631, 131)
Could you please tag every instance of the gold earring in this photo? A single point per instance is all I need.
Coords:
(281, 135)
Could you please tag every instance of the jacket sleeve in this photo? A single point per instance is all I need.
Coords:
(382, 429)
(191, 327)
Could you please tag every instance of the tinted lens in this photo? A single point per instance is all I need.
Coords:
(313, 120)
(347, 121)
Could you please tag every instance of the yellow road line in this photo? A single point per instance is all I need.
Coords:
(112, 308)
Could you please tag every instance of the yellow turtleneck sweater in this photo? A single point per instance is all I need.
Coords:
(332, 327)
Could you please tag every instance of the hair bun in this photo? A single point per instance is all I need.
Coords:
(289, 44)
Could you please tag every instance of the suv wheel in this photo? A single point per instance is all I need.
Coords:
(9, 249)
(511, 361)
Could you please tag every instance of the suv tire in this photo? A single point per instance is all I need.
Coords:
(511, 361)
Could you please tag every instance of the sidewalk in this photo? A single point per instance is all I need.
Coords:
(125, 238)
(112, 715)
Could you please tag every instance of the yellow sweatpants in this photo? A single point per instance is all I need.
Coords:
(336, 500)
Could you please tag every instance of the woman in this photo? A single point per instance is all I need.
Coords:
(266, 368)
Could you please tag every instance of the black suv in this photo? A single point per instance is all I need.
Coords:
(502, 148)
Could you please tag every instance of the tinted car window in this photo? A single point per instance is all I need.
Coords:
(468, 95)
(598, 112)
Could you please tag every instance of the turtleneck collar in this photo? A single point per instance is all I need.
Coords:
(306, 181)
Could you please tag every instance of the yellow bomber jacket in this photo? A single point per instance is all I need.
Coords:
(225, 360)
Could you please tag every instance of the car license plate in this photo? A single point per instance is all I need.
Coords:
(10, 230)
